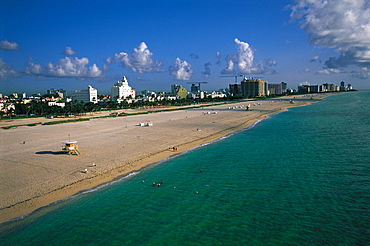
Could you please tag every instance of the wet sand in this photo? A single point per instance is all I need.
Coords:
(34, 171)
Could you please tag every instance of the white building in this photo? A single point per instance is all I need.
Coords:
(199, 95)
(89, 95)
(216, 94)
(57, 103)
(121, 90)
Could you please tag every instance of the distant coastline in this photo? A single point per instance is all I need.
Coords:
(118, 146)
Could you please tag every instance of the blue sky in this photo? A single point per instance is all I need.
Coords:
(71, 44)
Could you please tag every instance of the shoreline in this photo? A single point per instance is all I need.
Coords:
(67, 183)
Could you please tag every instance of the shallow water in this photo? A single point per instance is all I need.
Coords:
(300, 177)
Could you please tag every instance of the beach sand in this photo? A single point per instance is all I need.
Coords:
(34, 172)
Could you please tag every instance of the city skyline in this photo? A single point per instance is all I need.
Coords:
(159, 43)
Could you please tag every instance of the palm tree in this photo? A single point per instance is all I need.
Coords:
(10, 111)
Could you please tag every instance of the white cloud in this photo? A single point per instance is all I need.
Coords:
(242, 61)
(343, 25)
(6, 45)
(6, 71)
(68, 51)
(363, 73)
(315, 58)
(265, 67)
(181, 70)
(33, 68)
(66, 67)
(140, 60)
(329, 71)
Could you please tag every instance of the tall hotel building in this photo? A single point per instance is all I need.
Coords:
(253, 87)
(275, 89)
(121, 90)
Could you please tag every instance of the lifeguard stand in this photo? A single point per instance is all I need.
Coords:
(71, 147)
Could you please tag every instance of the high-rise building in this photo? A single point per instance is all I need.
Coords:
(179, 91)
(195, 88)
(343, 86)
(175, 88)
(284, 86)
(235, 89)
(330, 87)
(121, 90)
(254, 87)
(304, 89)
(89, 95)
(275, 89)
(315, 88)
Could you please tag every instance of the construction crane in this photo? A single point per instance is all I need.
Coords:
(236, 77)
(197, 83)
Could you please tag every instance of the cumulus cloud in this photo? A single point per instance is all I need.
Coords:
(181, 70)
(207, 69)
(140, 60)
(6, 45)
(339, 24)
(6, 71)
(33, 68)
(265, 67)
(243, 61)
(66, 67)
(68, 51)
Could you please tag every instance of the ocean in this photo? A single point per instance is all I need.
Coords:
(299, 177)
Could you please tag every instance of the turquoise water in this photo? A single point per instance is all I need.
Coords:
(300, 177)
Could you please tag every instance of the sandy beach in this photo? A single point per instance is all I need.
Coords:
(35, 173)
